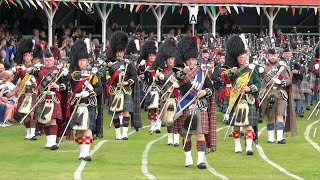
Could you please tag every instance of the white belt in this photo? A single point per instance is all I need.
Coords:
(228, 85)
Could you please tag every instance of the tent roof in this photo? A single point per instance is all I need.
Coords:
(314, 3)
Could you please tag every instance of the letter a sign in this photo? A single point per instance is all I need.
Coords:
(193, 15)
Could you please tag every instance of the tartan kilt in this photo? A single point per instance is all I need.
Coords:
(127, 104)
(305, 86)
(253, 115)
(296, 92)
(202, 123)
(56, 114)
(177, 126)
(92, 117)
(20, 100)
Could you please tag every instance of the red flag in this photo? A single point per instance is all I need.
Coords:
(13, 2)
(54, 4)
(73, 4)
(181, 9)
(220, 9)
(293, 11)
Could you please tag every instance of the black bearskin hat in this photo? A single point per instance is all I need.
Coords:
(317, 50)
(234, 47)
(118, 42)
(166, 50)
(37, 51)
(187, 48)
(24, 46)
(149, 47)
(78, 51)
(133, 46)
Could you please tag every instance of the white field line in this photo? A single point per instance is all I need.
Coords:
(144, 165)
(77, 174)
(307, 136)
(210, 168)
(265, 158)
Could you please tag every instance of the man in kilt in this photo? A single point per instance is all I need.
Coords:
(245, 109)
(316, 71)
(278, 103)
(198, 110)
(150, 82)
(297, 73)
(48, 109)
(27, 88)
(165, 62)
(123, 76)
(86, 87)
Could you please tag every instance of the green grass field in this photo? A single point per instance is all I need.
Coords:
(22, 159)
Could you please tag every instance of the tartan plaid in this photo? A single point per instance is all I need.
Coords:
(189, 76)
(305, 84)
(92, 117)
(253, 115)
(202, 124)
(56, 114)
(296, 91)
(211, 137)
(127, 104)
(136, 114)
(225, 104)
(177, 126)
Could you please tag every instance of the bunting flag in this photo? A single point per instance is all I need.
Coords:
(138, 7)
(272, 9)
(287, 8)
(39, 3)
(124, 6)
(236, 9)
(149, 8)
(228, 9)
(213, 10)
(65, 3)
(25, 1)
(79, 4)
(181, 9)
(300, 11)
(47, 4)
(189, 8)
(54, 4)
(293, 11)
(172, 8)
(9, 5)
(120, 6)
(220, 9)
(242, 9)
(258, 10)
(12, 2)
(205, 9)
(74, 4)
(104, 7)
(315, 11)
(33, 4)
(20, 3)
(131, 7)
(111, 7)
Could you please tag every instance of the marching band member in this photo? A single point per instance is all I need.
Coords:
(86, 88)
(277, 103)
(123, 76)
(196, 107)
(169, 93)
(151, 88)
(316, 66)
(27, 88)
(48, 109)
(243, 98)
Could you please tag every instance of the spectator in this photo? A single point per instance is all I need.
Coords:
(43, 36)
(36, 35)
(10, 92)
(131, 28)
(111, 28)
(4, 61)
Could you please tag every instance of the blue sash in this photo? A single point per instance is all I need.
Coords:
(191, 95)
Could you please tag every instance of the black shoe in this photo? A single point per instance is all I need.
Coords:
(202, 166)
(176, 145)
(163, 123)
(270, 142)
(188, 166)
(88, 158)
(255, 141)
(158, 131)
(34, 138)
(283, 141)
(301, 115)
(117, 139)
(38, 133)
(308, 108)
(230, 135)
(249, 152)
(242, 134)
(170, 144)
(125, 138)
(54, 147)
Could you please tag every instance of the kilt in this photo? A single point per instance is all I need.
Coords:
(305, 86)
(253, 115)
(296, 91)
(92, 117)
(280, 108)
(127, 104)
(56, 114)
(225, 104)
(202, 123)
(177, 126)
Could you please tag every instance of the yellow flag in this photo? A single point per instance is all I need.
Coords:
(241, 82)
(33, 4)
(228, 8)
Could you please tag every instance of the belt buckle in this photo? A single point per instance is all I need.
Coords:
(274, 88)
